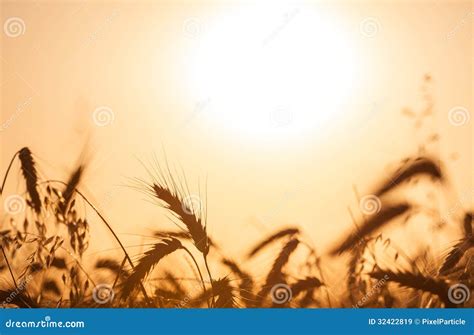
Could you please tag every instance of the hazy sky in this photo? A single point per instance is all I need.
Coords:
(281, 108)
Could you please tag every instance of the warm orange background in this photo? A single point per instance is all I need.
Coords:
(133, 57)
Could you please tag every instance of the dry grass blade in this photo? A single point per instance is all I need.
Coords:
(272, 238)
(222, 289)
(185, 214)
(419, 166)
(415, 281)
(31, 177)
(147, 262)
(375, 222)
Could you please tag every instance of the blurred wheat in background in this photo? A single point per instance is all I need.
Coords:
(236, 154)
(46, 232)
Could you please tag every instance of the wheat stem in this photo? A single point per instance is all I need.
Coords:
(9, 267)
(113, 233)
(199, 271)
(8, 170)
(210, 278)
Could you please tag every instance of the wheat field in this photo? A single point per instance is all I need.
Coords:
(45, 234)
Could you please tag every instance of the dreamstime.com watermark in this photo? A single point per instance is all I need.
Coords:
(459, 116)
(18, 111)
(369, 27)
(20, 287)
(464, 199)
(46, 323)
(375, 290)
(103, 116)
(192, 205)
(14, 27)
(14, 204)
(370, 204)
(287, 18)
(281, 294)
(459, 294)
(103, 294)
(459, 25)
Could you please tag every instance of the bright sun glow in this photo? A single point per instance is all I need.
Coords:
(269, 71)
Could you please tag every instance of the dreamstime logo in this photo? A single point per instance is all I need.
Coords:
(281, 117)
(192, 205)
(458, 116)
(14, 27)
(458, 293)
(14, 204)
(369, 27)
(281, 293)
(192, 27)
(103, 293)
(370, 204)
(103, 116)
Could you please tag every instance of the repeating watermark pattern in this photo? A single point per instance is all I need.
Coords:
(14, 204)
(20, 287)
(192, 27)
(19, 110)
(287, 18)
(459, 293)
(281, 117)
(459, 25)
(459, 116)
(103, 116)
(103, 294)
(97, 34)
(14, 27)
(192, 205)
(369, 27)
(200, 107)
(465, 198)
(375, 290)
(278, 207)
(370, 204)
(281, 294)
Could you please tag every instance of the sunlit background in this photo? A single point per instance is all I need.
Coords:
(274, 111)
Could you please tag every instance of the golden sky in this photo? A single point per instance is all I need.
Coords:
(280, 108)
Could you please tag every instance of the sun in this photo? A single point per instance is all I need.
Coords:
(273, 71)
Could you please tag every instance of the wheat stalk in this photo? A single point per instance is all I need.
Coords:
(31, 177)
(272, 238)
(373, 223)
(146, 263)
(417, 281)
(419, 166)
